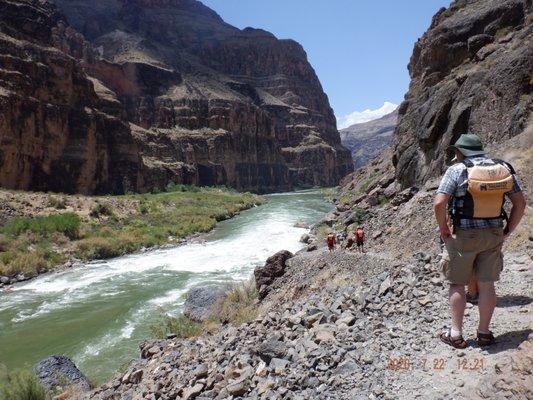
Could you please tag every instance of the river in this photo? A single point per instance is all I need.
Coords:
(97, 314)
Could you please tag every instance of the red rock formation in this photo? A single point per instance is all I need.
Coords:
(224, 71)
(194, 100)
(53, 136)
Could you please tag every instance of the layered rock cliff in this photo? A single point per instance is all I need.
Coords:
(471, 71)
(161, 91)
(368, 139)
(53, 133)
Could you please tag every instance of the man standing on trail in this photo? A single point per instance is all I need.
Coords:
(330, 239)
(473, 192)
(360, 239)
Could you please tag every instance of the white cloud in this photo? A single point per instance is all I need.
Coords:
(358, 117)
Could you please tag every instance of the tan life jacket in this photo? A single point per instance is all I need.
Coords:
(486, 188)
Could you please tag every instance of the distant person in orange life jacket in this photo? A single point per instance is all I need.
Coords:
(330, 239)
(472, 192)
(360, 239)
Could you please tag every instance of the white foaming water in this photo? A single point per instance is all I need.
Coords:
(251, 246)
(171, 297)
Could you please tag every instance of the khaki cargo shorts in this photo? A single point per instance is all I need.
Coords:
(477, 251)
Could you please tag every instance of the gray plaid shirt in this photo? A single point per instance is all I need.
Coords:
(454, 183)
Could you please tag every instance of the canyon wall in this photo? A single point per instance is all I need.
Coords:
(158, 91)
(53, 133)
(366, 140)
(471, 71)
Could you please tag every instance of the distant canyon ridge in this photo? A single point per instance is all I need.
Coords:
(368, 139)
(111, 96)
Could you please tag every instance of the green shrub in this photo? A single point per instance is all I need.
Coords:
(98, 247)
(67, 224)
(21, 385)
(345, 200)
(143, 207)
(240, 306)
(382, 200)
(175, 187)
(102, 209)
(322, 231)
(178, 187)
(28, 263)
(360, 215)
(181, 326)
(500, 33)
(58, 203)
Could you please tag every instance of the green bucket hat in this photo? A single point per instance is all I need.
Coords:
(469, 145)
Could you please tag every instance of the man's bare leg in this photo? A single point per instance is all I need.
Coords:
(457, 306)
(486, 304)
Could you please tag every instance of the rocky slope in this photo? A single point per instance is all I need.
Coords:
(470, 71)
(161, 91)
(368, 139)
(344, 326)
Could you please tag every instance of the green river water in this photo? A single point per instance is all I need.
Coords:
(97, 314)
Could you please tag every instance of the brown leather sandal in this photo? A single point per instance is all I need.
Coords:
(457, 342)
(485, 339)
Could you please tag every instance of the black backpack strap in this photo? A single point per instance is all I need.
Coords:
(468, 163)
(505, 164)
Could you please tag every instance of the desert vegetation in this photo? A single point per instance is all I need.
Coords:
(237, 308)
(88, 228)
(21, 385)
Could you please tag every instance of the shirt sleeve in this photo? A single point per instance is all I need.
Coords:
(448, 184)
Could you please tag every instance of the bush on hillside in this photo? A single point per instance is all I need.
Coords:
(21, 385)
(58, 203)
(181, 326)
(102, 209)
(240, 306)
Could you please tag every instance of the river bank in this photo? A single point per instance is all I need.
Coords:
(41, 232)
(341, 325)
(98, 314)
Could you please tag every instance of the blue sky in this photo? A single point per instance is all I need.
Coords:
(359, 48)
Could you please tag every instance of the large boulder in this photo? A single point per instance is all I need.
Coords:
(204, 302)
(404, 196)
(273, 268)
(60, 372)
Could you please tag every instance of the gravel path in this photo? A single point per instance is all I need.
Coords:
(439, 371)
